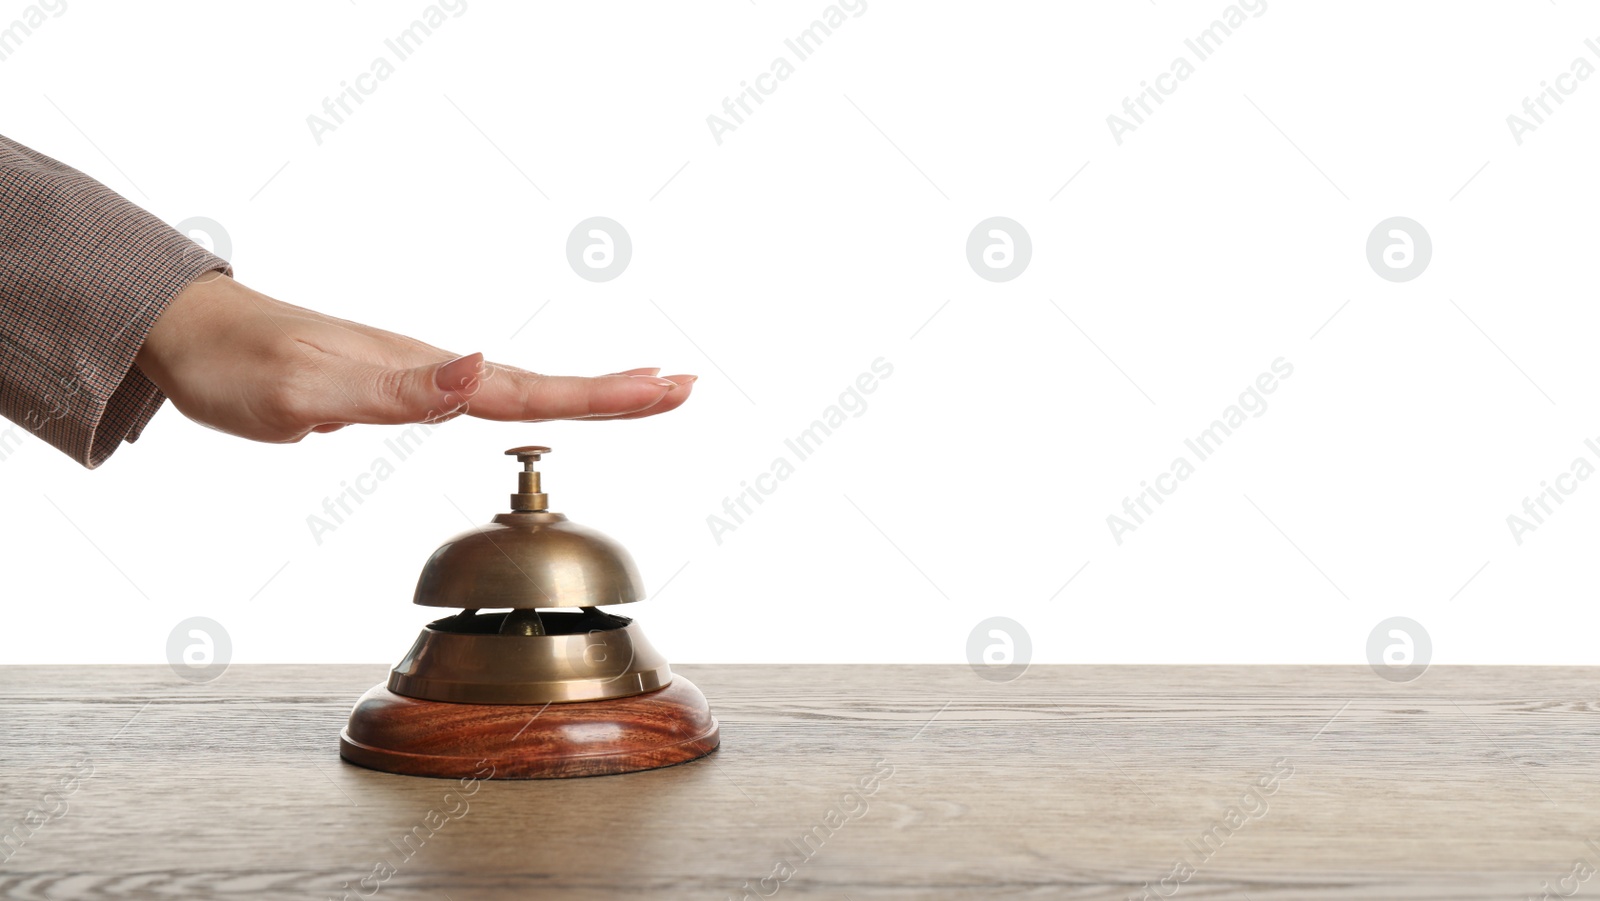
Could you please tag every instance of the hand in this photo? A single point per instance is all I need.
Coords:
(240, 362)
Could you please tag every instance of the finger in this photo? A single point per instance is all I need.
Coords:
(508, 394)
(672, 401)
(648, 370)
(366, 393)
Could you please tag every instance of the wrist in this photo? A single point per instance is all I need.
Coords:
(176, 325)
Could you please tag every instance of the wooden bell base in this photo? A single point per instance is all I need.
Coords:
(397, 734)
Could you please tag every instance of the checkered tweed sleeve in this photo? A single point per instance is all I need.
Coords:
(84, 274)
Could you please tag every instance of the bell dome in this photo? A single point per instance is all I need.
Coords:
(529, 558)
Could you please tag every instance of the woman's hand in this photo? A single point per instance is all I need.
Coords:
(240, 362)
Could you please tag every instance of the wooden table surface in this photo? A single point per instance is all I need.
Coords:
(1072, 782)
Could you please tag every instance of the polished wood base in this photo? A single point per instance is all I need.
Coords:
(414, 737)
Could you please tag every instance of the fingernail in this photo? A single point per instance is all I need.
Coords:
(459, 374)
(658, 382)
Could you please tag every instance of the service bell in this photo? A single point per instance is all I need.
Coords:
(552, 687)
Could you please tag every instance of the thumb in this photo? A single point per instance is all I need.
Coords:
(379, 395)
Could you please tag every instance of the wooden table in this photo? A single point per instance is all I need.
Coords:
(1071, 782)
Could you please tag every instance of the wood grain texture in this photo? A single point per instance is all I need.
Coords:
(398, 734)
(866, 782)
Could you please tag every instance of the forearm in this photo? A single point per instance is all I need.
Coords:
(84, 274)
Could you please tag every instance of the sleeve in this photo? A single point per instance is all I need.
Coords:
(84, 274)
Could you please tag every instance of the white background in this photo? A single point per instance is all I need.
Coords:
(1227, 231)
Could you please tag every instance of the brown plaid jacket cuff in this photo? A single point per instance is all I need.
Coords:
(84, 274)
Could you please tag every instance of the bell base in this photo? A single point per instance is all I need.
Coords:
(410, 736)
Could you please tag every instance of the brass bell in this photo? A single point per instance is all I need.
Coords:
(554, 686)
